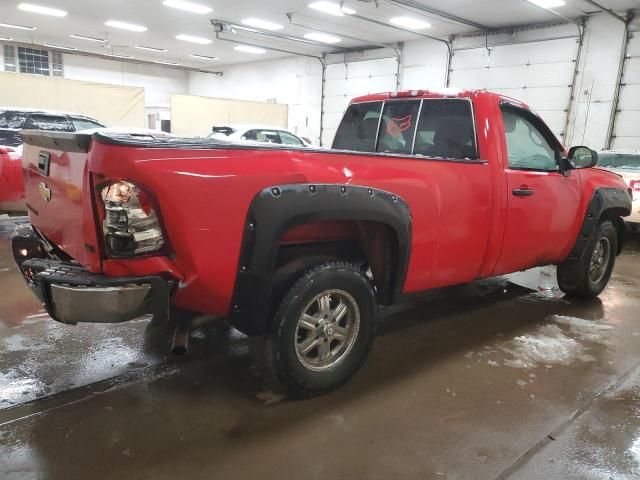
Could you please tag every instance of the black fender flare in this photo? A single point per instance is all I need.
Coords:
(277, 209)
(604, 200)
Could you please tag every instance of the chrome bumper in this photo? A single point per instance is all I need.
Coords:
(73, 295)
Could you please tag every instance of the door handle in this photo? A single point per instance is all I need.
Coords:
(523, 192)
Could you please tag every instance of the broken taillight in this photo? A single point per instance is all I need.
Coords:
(131, 225)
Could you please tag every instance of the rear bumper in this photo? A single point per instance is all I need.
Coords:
(73, 295)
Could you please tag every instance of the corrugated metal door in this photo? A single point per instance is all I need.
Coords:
(626, 134)
(539, 73)
(344, 81)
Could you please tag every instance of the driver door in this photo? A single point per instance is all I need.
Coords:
(543, 204)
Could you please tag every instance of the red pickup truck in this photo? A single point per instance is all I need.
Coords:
(421, 190)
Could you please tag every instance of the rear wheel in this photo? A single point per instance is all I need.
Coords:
(588, 276)
(323, 329)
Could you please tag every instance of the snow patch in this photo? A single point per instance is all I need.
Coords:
(551, 344)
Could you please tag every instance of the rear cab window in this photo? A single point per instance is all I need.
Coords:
(398, 127)
(440, 128)
(358, 130)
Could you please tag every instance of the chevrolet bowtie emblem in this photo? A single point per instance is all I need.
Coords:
(45, 192)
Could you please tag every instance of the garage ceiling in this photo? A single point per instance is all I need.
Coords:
(88, 17)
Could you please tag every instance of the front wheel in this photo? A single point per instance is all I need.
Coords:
(323, 329)
(588, 276)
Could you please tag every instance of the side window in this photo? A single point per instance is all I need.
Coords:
(84, 124)
(398, 126)
(446, 130)
(359, 128)
(49, 122)
(12, 119)
(263, 136)
(287, 139)
(528, 145)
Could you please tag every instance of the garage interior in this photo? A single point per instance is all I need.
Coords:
(501, 378)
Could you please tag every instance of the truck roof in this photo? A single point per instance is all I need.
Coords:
(38, 110)
(430, 93)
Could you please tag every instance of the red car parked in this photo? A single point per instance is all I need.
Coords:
(422, 190)
(12, 120)
(11, 181)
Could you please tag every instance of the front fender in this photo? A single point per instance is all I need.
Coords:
(606, 203)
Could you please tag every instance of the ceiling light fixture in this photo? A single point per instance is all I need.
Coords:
(151, 49)
(263, 24)
(173, 64)
(53, 45)
(410, 23)
(548, 3)
(188, 6)
(250, 49)
(332, 8)
(31, 8)
(322, 37)
(89, 39)
(115, 55)
(17, 27)
(132, 27)
(193, 39)
(203, 57)
(6, 39)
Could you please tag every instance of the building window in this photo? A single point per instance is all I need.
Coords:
(33, 61)
(56, 64)
(10, 64)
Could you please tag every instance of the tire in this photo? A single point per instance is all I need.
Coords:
(578, 278)
(336, 333)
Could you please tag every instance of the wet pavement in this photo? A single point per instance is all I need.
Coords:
(490, 380)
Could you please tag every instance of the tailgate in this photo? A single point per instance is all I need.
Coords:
(58, 192)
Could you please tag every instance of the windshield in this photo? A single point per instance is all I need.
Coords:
(619, 160)
(12, 119)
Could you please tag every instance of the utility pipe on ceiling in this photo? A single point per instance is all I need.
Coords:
(440, 13)
(224, 26)
(242, 42)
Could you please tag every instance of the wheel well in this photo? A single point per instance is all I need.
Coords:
(371, 245)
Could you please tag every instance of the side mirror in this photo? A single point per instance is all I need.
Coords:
(582, 157)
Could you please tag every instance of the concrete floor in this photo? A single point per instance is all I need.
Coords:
(490, 380)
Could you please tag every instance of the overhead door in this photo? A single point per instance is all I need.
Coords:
(538, 73)
(626, 134)
(344, 81)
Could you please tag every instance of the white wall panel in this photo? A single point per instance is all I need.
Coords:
(626, 133)
(294, 81)
(540, 74)
(344, 81)
(159, 82)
